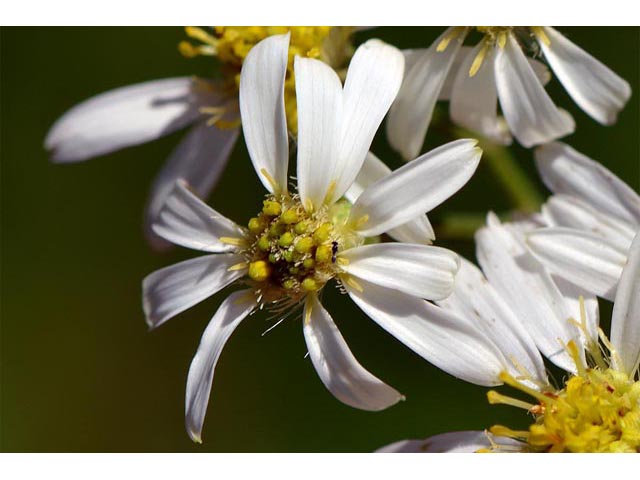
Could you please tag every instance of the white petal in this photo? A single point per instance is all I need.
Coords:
(447, 87)
(530, 113)
(474, 100)
(452, 344)
(264, 121)
(172, 290)
(451, 442)
(625, 321)
(319, 99)
(528, 289)
(186, 220)
(411, 113)
(418, 230)
(579, 257)
(338, 369)
(123, 117)
(566, 211)
(593, 86)
(416, 187)
(229, 315)
(419, 270)
(572, 294)
(372, 83)
(475, 298)
(200, 159)
(565, 170)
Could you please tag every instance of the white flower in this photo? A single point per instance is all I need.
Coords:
(474, 79)
(522, 311)
(593, 217)
(299, 242)
(140, 113)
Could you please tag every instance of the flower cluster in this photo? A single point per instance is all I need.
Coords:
(350, 221)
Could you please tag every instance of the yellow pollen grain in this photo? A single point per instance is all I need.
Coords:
(323, 253)
(271, 208)
(259, 270)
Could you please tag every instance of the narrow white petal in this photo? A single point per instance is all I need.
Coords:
(319, 99)
(592, 85)
(123, 117)
(418, 230)
(200, 159)
(411, 113)
(475, 298)
(264, 121)
(572, 294)
(451, 442)
(567, 211)
(451, 343)
(565, 170)
(229, 315)
(419, 270)
(528, 289)
(447, 87)
(338, 369)
(582, 258)
(474, 100)
(531, 114)
(625, 321)
(416, 187)
(172, 290)
(188, 221)
(372, 83)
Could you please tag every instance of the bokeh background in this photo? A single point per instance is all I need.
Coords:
(80, 372)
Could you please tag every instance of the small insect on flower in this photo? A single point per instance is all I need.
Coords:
(140, 113)
(298, 242)
(474, 79)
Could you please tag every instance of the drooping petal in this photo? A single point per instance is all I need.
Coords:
(200, 159)
(264, 121)
(418, 230)
(372, 83)
(531, 114)
(567, 211)
(229, 315)
(565, 170)
(319, 99)
(451, 442)
(593, 86)
(528, 289)
(625, 321)
(188, 221)
(416, 187)
(475, 298)
(419, 270)
(474, 99)
(582, 258)
(411, 113)
(172, 290)
(338, 369)
(452, 344)
(123, 117)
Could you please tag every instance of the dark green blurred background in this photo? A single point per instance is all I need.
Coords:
(80, 372)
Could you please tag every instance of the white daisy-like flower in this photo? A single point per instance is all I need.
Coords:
(140, 113)
(524, 311)
(300, 241)
(474, 79)
(593, 218)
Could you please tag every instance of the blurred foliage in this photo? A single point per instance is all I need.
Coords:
(80, 371)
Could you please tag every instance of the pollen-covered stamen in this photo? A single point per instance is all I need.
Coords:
(294, 252)
(598, 410)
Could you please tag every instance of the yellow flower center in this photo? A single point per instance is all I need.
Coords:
(598, 410)
(293, 252)
(232, 44)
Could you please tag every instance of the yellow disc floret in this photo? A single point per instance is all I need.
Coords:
(293, 252)
(232, 44)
